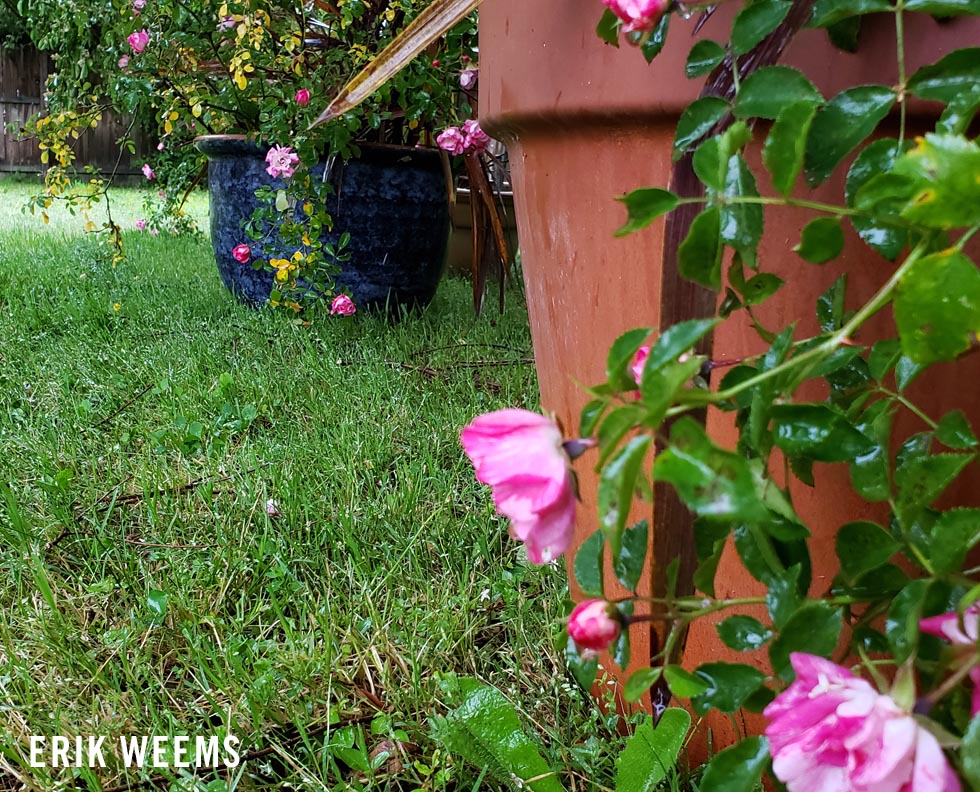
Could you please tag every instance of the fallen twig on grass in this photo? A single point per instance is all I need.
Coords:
(124, 407)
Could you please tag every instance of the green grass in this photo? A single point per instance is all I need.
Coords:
(149, 587)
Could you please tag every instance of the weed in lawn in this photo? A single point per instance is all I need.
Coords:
(218, 522)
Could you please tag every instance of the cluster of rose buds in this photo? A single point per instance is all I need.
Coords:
(467, 139)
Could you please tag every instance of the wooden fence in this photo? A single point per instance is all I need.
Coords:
(23, 73)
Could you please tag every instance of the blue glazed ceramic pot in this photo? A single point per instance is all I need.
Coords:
(392, 200)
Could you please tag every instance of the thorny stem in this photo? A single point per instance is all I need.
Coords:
(900, 49)
(953, 681)
(909, 406)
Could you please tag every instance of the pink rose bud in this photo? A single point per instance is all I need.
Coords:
(282, 161)
(467, 79)
(302, 97)
(452, 140)
(464, 58)
(138, 5)
(342, 305)
(242, 254)
(639, 362)
(140, 224)
(138, 40)
(124, 61)
(594, 625)
(435, 64)
(476, 140)
(160, 146)
(833, 730)
(519, 454)
(642, 15)
(962, 634)
(154, 232)
(148, 172)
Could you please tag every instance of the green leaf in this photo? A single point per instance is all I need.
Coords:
(822, 240)
(651, 753)
(970, 753)
(737, 769)
(684, 684)
(783, 597)
(583, 667)
(645, 205)
(960, 112)
(697, 120)
(829, 12)
(954, 431)
(830, 305)
(640, 682)
(654, 43)
(786, 144)
(709, 542)
(813, 629)
(743, 633)
(870, 471)
(628, 563)
(486, 730)
(884, 356)
(768, 91)
(591, 414)
(588, 565)
(863, 546)
(608, 28)
(699, 255)
(741, 223)
(660, 386)
(955, 74)
(703, 57)
(937, 307)
(844, 34)
(616, 485)
(712, 482)
(761, 287)
(756, 21)
(924, 479)
(841, 125)
(953, 535)
(615, 427)
(944, 171)
(906, 370)
(156, 603)
(678, 339)
(944, 8)
(818, 432)
(711, 160)
(729, 685)
(621, 355)
(902, 623)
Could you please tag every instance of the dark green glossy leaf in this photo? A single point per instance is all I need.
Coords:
(786, 144)
(709, 541)
(953, 535)
(651, 753)
(589, 567)
(830, 305)
(844, 34)
(743, 633)
(703, 57)
(960, 112)
(756, 551)
(902, 623)
(699, 255)
(697, 120)
(954, 431)
(923, 480)
(814, 629)
(906, 371)
(729, 685)
(654, 43)
(944, 8)
(761, 287)
(741, 223)
(678, 339)
(621, 648)
(841, 125)
(628, 563)
(684, 684)
(583, 667)
(945, 173)
(645, 205)
(863, 546)
(870, 471)
(737, 769)
(884, 356)
(829, 12)
(615, 427)
(712, 482)
(621, 355)
(955, 74)
(659, 386)
(608, 28)
(756, 21)
(640, 682)
(591, 414)
(822, 240)
(768, 91)
(937, 307)
(817, 431)
(878, 584)
(616, 485)
(711, 160)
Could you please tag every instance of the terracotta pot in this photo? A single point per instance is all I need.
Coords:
(585, 122)
(392, 200)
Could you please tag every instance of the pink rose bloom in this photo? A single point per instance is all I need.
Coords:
(639, 362)
(519, 454)
(947, 626)
(242, 254)
(148, 172)
(342, 305)
(160, 146)
(452, 140)
(226, 23)
(594, 625)
(282, 161)
(140, 224)
(302, 97)
(476, 139)
(138, 40)
(831, 730)
(467, 78)
(138, 5)
(124, 61)
(154, 232)
(638, 14)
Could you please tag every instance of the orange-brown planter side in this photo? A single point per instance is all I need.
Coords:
(586, 122)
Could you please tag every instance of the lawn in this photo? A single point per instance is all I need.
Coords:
(219, 522)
